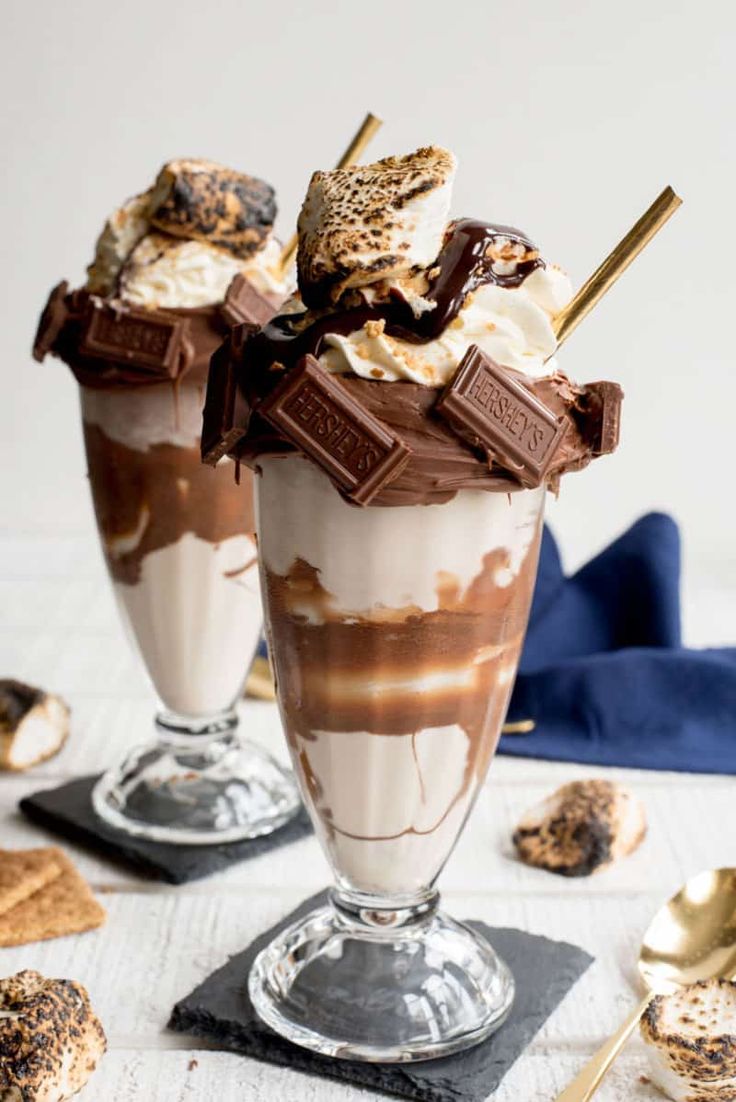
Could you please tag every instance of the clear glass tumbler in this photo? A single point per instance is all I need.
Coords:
(395, 635)
(179, 544)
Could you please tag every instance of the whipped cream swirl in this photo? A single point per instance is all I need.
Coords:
(512, 325)
(165, 272)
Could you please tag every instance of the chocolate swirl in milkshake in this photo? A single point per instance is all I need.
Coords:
(419, 381)
(174, 268)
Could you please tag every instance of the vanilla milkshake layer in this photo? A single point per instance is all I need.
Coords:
(178, 541)
(196, 616)
(395, 634)
(309, 522)
(397, 814)
(140, 417)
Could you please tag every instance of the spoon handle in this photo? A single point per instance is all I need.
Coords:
(586, 1083)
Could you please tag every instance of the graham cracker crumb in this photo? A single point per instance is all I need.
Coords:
(375, 328)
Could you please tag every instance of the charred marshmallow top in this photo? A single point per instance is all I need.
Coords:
(180, 243)
(378, 235)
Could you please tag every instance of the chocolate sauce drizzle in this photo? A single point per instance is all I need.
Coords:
(464, 264)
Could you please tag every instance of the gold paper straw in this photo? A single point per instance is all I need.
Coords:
(260, 680)
(603, 278)
(521, 727)
(353, 153)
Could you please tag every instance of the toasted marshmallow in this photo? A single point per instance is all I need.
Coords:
(204, 201)
(372, 222)
(33, 725)
(50, 1038)
(691, 1042)
(120, 235)
(580, 828)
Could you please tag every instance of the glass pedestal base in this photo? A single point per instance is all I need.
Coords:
(198, 785)
(361, 981)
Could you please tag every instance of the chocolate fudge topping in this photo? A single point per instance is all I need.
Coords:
(444, 455)
(465, 263)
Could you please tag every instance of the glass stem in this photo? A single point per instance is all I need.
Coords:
(378, 912)
(197, 734)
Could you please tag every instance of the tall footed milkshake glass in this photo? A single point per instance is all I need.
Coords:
(175, 268)
(405, 416)
(395, 635)
(178, 541)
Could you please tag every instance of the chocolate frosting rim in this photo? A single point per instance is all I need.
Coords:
(441, 462)
(65, 323)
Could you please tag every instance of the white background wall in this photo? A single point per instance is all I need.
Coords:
(568, 117)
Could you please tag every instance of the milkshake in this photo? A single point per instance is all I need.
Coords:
(174, 268)
(396, 635)
(406, 418)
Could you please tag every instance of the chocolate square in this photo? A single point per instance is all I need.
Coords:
(226, 412)
(317, 414)
(608, 397)
(52, 321)
(151, 340)
(487, 406)
(243, 303)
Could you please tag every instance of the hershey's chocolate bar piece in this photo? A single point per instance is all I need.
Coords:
(154, 342)
(313, 410)
(51, 322)
(226, 412)
(608, 425)
(243, 303)
(485, 405)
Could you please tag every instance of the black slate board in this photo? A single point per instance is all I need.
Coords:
(544, 970)
(68, 811)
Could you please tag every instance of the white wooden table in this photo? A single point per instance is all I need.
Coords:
(60, 630)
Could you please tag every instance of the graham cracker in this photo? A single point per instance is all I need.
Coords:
(24, 872)
(66, 905)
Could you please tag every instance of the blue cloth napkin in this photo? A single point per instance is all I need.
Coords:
(604, 674)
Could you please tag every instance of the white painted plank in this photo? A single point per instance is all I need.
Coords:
(201, 1076)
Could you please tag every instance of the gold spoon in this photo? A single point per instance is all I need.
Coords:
(693, 937)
